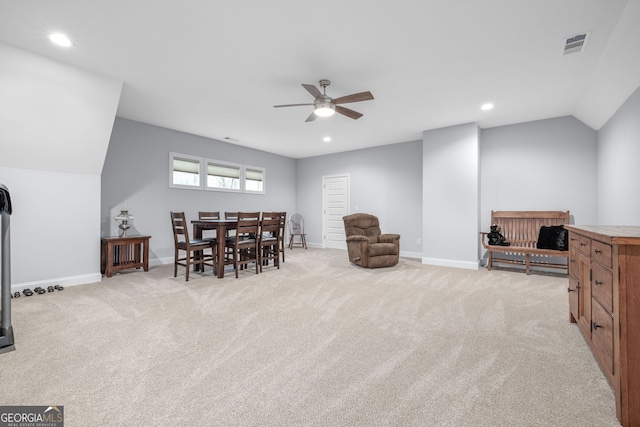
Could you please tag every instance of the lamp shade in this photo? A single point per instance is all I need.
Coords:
(124, 215)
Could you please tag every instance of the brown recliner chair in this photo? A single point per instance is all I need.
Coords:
(367, 246)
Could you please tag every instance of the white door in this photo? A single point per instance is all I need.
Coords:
(335, 205)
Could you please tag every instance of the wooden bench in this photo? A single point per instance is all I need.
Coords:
(521, 229)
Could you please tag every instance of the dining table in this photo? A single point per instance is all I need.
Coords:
(221, 226)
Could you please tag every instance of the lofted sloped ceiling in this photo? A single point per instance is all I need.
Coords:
(216, 68)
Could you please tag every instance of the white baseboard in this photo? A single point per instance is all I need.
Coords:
(469, 265)
(82, 279)
(405, 254)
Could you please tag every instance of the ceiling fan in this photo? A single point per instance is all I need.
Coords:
(326, 106)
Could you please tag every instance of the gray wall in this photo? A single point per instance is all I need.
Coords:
(618, 171)
(62, 209)
(385, 181)
(450, 196)
(543, 165)
(136, 170)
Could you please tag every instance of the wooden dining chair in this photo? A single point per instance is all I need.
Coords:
(282, 237)
(231, 215)
(230, 237)
(270, 239)
(205, 216)
(195, 250)
(245, 243)
(209, 234)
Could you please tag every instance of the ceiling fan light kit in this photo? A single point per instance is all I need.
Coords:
(324, 106)
(325, 109)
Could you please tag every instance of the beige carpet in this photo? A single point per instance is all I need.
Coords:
(319, 342)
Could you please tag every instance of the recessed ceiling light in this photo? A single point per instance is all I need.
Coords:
(486, 107)
(60, 39)
(327, 139)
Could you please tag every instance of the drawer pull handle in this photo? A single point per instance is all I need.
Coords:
(598, 251)
(583, 244)
(577, 285)
(572, 260)
(598, 282)
(573, 239)
(596, 326)
(570, 290)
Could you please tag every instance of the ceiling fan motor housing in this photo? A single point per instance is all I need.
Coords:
(324, 83)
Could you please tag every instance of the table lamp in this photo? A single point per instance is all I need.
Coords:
(123, 218)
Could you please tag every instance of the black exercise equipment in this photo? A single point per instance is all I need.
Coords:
(6, 330)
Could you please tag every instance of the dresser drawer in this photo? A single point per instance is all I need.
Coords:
(602, 335)
(573, 261)
(601, 252)
(584, 245)
(602, 286)
(574, 240)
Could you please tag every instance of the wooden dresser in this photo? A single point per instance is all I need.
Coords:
(604, 300)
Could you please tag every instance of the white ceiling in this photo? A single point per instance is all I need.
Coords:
(216, 68)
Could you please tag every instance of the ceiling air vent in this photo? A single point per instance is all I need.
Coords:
(575, 44)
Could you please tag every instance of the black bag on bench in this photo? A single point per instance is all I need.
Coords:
(553, 237)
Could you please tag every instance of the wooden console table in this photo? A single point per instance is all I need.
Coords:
(120, 253)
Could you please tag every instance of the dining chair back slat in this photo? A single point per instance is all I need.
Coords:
(208, 215)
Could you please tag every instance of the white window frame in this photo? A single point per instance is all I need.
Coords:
(262, 171)
(186, 157)
(213, 162)
(203, 174)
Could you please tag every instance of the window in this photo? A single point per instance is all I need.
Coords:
(198, 173)
(185, 171)
(253, 179)
(223, 176)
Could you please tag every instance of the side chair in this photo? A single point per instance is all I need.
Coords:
(244, 245)
(283, 228)
(209, 234)
(296, 228)
(270, 238)
(194, 249)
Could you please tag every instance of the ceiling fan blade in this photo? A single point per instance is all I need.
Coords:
(356, 97)
(311, 118)
(347, 112)
(290, 105)
(313, 90)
